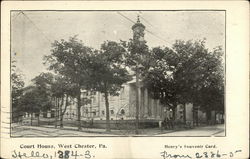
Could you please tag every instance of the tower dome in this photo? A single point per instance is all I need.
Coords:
(138, 30)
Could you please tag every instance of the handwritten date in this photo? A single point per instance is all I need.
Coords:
(57, 154)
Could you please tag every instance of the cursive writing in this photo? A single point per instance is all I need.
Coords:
(65, 154)
(165, 155)
(33, 154)
(202, 155)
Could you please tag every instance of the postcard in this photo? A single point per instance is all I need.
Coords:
(141, 80)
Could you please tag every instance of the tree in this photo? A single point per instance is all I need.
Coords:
(71, 60)
(42, 93)
(201, 75)
(62, 89)
(34, 100)
(158, 77)
(210, 95)
(17, 85)
(187, 73)
(108, 72)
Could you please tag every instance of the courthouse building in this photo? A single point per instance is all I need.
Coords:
(123, 107)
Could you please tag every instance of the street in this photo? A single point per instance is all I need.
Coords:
(34, 131)
(214, 130)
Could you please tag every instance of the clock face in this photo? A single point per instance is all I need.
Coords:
(138, 30)
(141, 38)
(138, 33)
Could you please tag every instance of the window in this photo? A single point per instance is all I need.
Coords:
(122, 112)
(111, 111)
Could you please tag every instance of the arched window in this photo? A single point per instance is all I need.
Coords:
(111, 111)
(122, 112)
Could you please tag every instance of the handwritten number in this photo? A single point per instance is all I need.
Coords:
(197, 155)
(231, 154)
(205, 153)
(212, 155)
(87, 154)
(60, 154)
(66, 154)
(218, 154)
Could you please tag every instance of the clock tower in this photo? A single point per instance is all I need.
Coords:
(138, 31)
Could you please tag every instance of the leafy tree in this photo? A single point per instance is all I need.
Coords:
(17, 85)
(41, 94)
(158, 77)
(210, 94)
(33, 101)
(201, 75)
(62, 89)
(108, 72)
(71, 60)
(187, 73)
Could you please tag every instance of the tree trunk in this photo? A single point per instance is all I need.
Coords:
(173, 113)
(184, 114)
(38, 121)
(107, 112)
(208, 115)
(195, 115)
(215, 113)
(56, 111)
(61, 113)
(31, 119)
(79, 110)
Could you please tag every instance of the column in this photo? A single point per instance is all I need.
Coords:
(156, 108)
(146, 101)
(140, 101)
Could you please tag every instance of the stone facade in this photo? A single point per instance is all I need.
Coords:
(122, 107)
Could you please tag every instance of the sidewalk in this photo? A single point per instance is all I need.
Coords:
(46, 129)
(126, 132)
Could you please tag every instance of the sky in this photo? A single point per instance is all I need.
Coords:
(33, 32)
